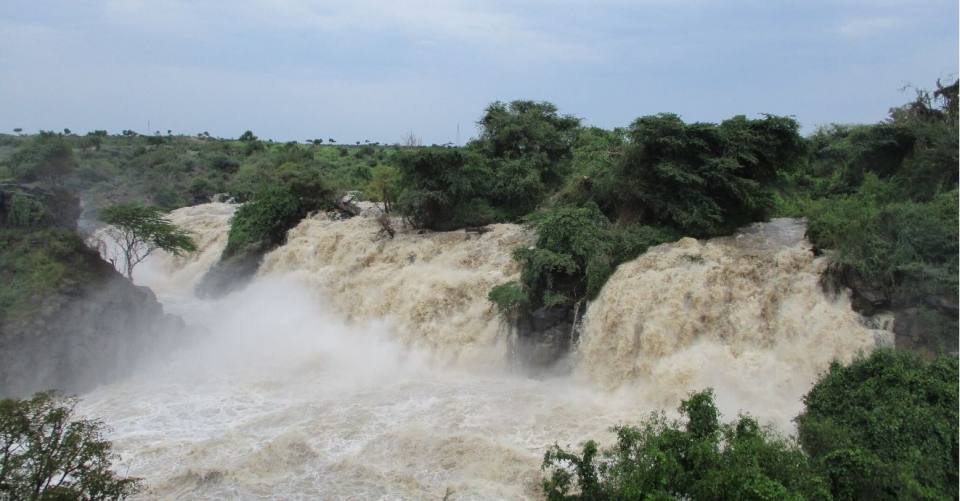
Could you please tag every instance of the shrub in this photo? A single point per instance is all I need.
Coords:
(904, 247)
(262, 223)
(703, 179)
(532, 132)
(36, 263)
(508, 297)
(444, 188)
(885, 427)
(576, 251)
(25, 211)
(47, 157)
(699, 458)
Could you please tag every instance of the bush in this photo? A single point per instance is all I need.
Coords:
(47, 157)
(572, 256)
(531, 132)
(46, 453)
(885, 427)
(702, 179)
(444, 188)
(34, 264)
(696, 459)
(262, 224)
(576, 251)
(508, 297)
(24, 211)
(906, 248)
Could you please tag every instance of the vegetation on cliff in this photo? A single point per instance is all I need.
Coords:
(883, 200)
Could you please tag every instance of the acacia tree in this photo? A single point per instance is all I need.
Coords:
(384, 185)
(138, 230)
(47, 454)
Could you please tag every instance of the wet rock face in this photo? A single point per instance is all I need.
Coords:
(230, 274)
(865, 299)
(94, 326)
(83, 335)
(924, 324)
(926, 330)
(544, 336)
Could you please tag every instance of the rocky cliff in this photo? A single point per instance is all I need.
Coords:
(68, 320)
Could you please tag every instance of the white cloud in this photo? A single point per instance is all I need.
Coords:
(864, 27)
(483, 26)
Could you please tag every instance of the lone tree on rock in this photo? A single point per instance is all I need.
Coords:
(45, 453)
(139, 230)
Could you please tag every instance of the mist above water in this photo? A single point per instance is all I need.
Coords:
(360, 368)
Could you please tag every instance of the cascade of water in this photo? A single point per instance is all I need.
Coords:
(321, 379)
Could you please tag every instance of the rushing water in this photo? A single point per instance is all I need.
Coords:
(358, 368)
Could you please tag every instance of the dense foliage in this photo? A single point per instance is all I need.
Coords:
(262, 223)
(883, 200)
(576, 250)
(36, 264)
(885, 427)
(660, 179)
(47, 453)
(47, 157)
(698, 458)
(521, 155)
(445, 188)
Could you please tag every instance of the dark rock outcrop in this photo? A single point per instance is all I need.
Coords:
(85, 334)
(87, 324)
(866, 298)
(923, 323)
(230, 274)
(545, 336)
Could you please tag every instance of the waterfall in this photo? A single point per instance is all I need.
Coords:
(743, 314)
(355, 366)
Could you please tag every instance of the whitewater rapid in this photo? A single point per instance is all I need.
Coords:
(359, 368)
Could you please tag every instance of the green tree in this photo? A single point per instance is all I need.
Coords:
(138, 230)
(444, 188)
(95, 138)
(576, 251)
(528, 130)
(251, 143)
(384, 185)
(46, 453)
(885, 427)
(703, 179)
(699, 458)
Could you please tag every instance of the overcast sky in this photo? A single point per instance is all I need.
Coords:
(374, 69)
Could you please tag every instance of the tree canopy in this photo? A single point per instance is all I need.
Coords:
(46, 453)
(138, 230)
(885, 427)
